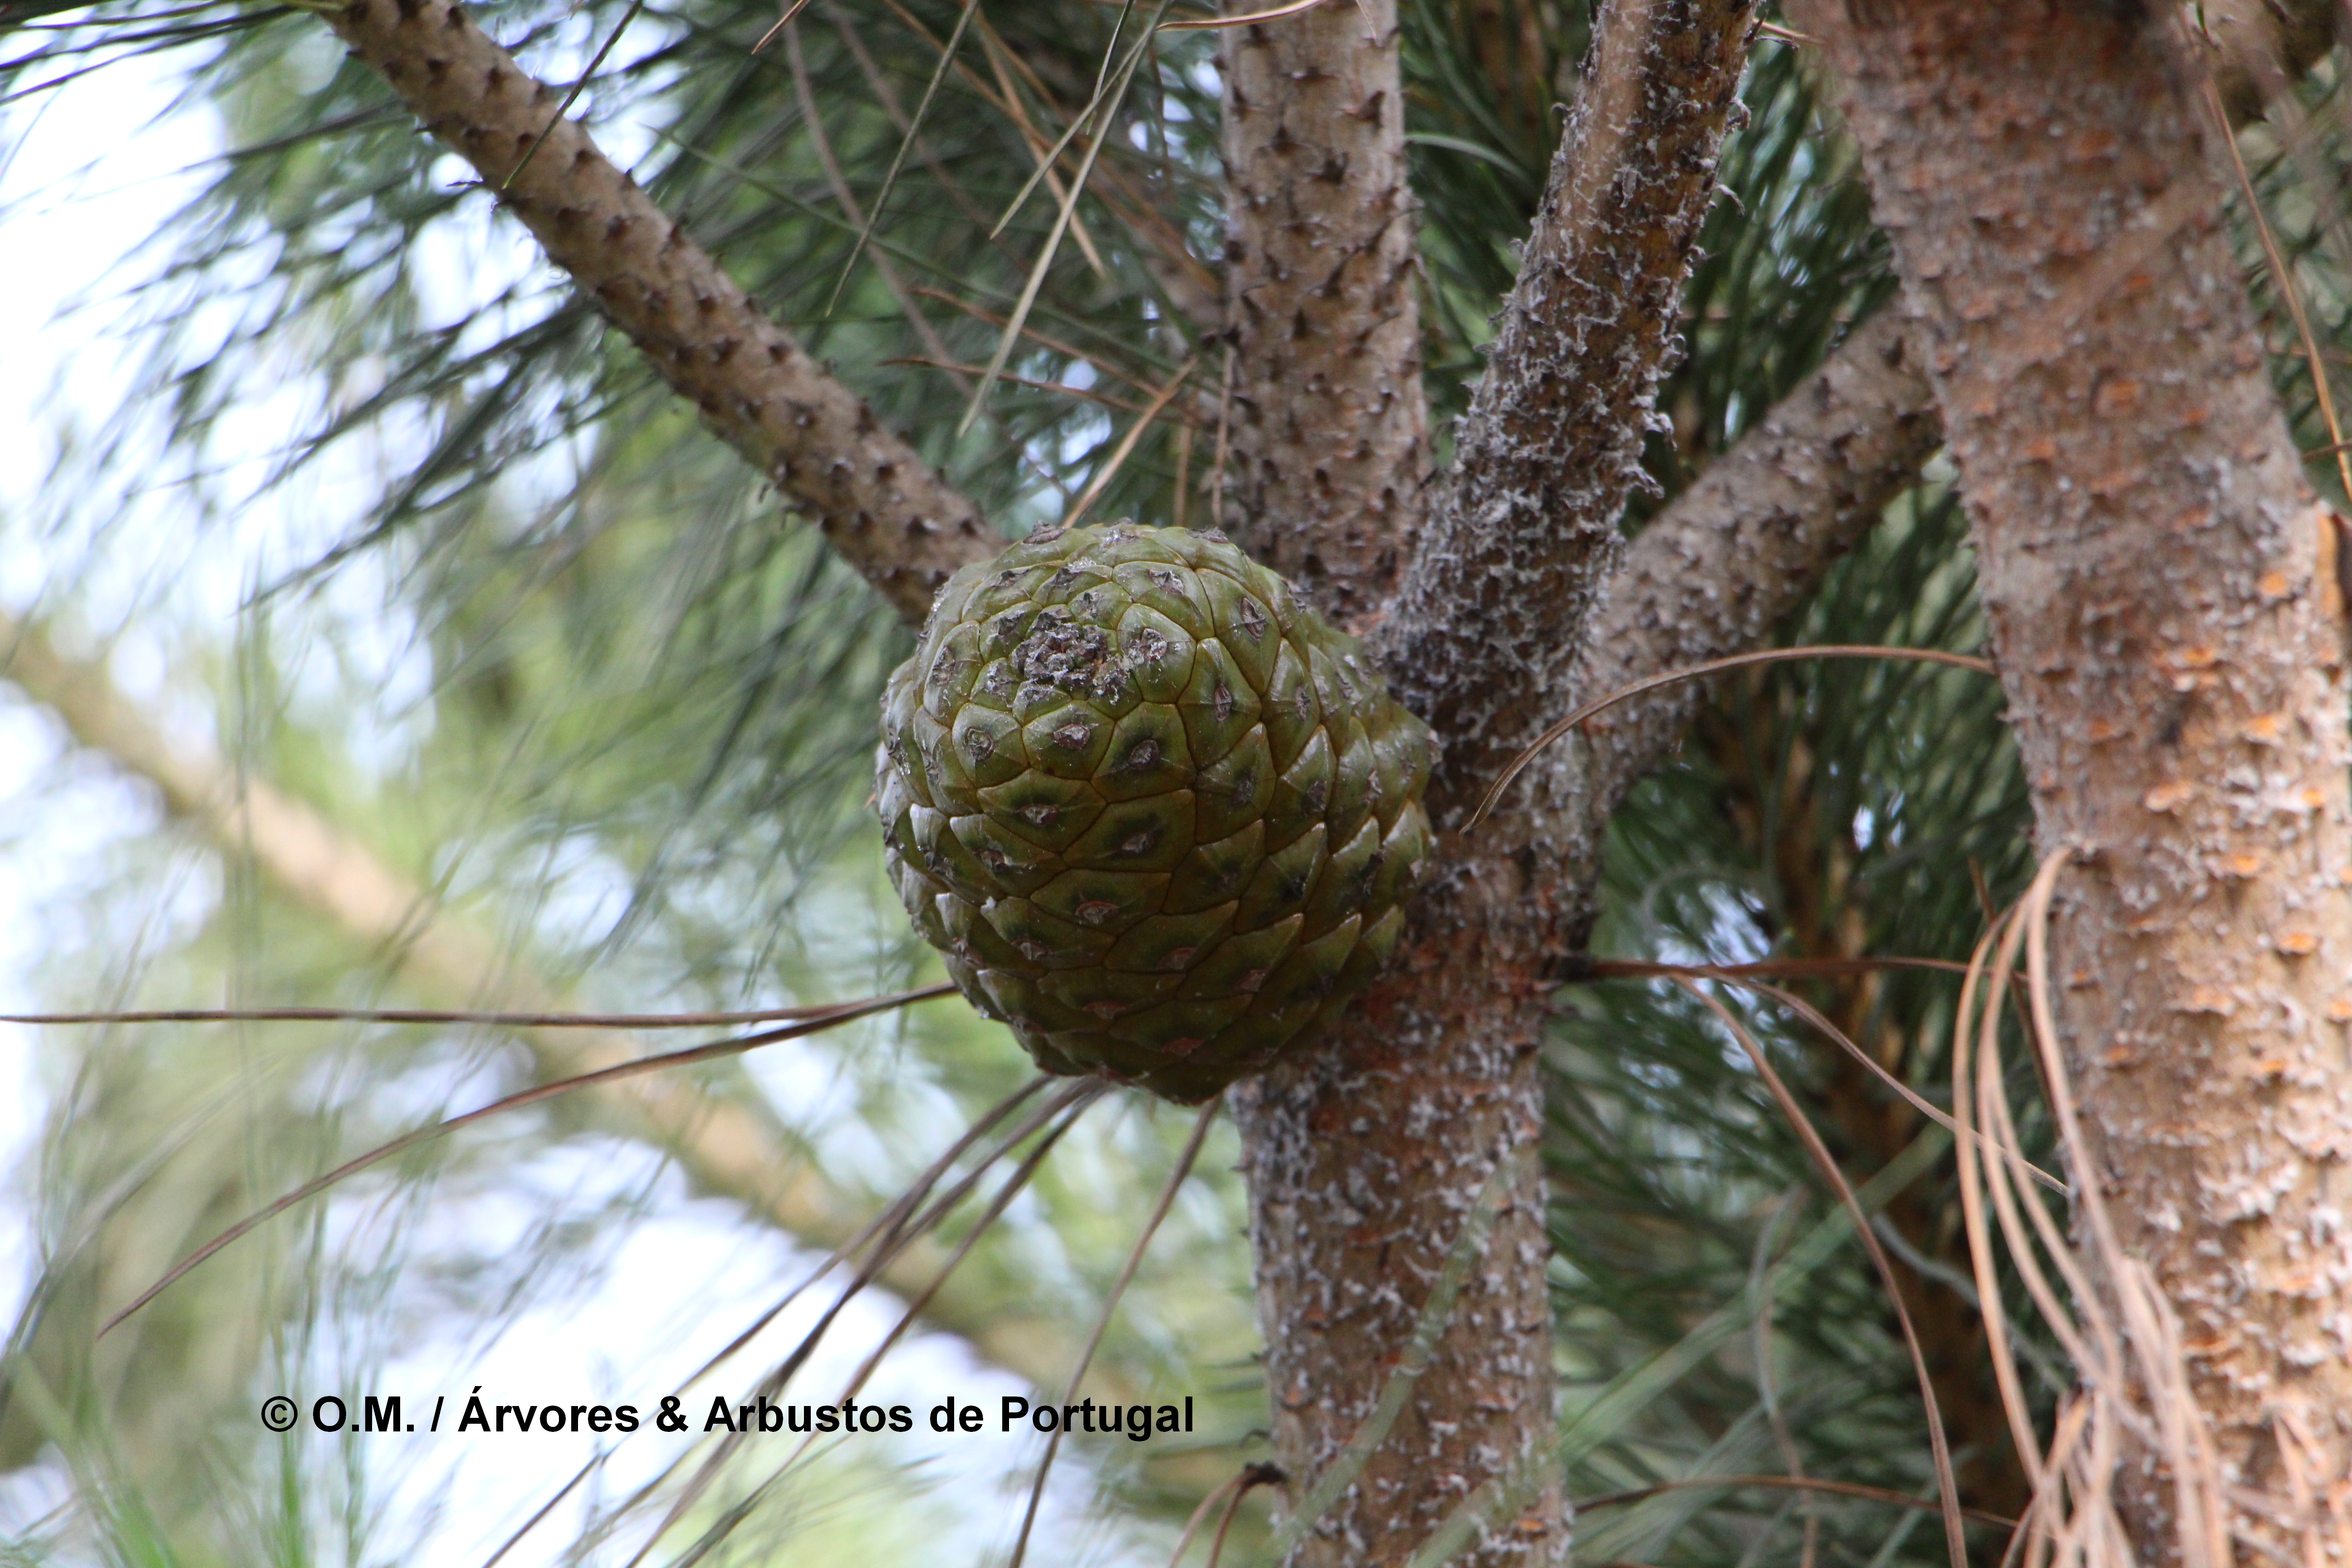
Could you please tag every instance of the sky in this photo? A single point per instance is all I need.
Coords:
(85, 174)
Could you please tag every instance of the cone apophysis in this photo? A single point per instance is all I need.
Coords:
(1157, 815)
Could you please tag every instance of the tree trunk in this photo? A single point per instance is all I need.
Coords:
(2161, 585)
(1364, 1163)
(1366, 1160)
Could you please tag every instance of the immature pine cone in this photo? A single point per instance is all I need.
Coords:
(1155, 814)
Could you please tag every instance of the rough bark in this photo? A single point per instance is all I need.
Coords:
(1722, 567)
(878, 501)
(1362, 1164)
(1713, 574)
(1330, 433)
(2161, 592)
(1364, 1161)
(725, 1148)
(1515, 550)
(1745, 546)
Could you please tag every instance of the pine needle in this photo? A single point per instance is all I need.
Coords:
(1118, 459)
(1083, 1095)
(1699, 671)
(573, 96)
(1106, 101)
(633, 1021)
(1789, 1483)
(1947, 1484)
(1176, 1180)
(899, 159)
(842, 1013)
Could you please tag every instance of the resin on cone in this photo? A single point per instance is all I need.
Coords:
(1157, 815)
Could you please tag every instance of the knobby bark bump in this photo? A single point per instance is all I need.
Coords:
(2159, 583)
(893, 517)
(1330, 431)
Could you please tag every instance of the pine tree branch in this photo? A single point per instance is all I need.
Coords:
(1392, 1129)
(2262, 45)
(888, 512)
(1321, 242)
(1739, 551)
(1507, 573)
(724, 1147)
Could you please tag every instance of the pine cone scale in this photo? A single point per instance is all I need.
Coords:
(1154, 813)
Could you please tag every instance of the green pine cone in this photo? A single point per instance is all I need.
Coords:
(1155, 814)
